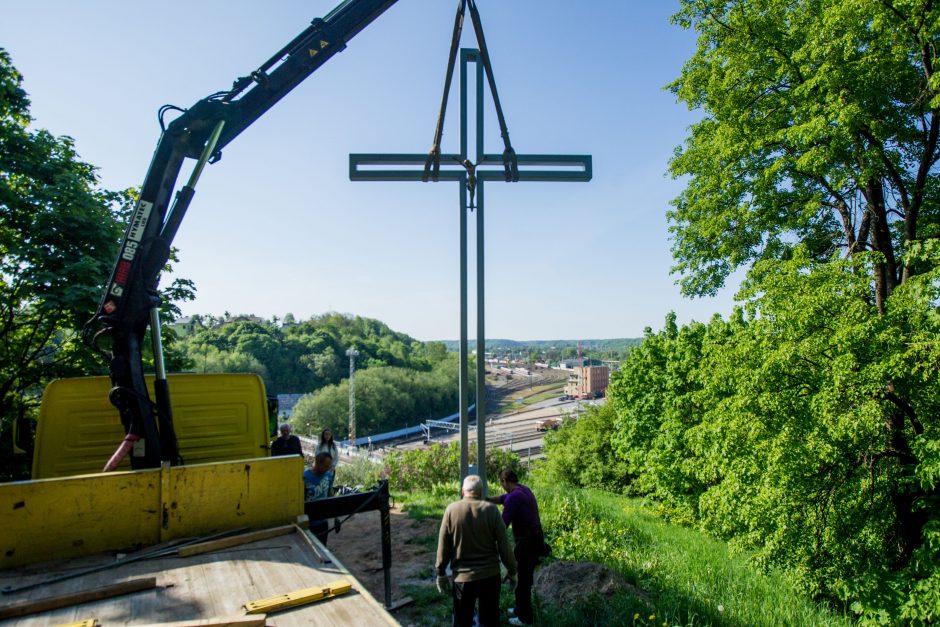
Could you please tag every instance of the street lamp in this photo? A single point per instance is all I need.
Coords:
(352, 353)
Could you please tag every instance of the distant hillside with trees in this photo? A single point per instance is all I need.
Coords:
(399, 380)
(555, 350)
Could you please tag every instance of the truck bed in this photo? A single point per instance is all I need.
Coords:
(210, 588)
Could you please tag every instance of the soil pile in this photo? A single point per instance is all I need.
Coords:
(565, 582)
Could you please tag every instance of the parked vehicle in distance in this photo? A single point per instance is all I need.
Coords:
(547, 424)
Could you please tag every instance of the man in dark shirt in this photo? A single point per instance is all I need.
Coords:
(521, 512)
(286, 444)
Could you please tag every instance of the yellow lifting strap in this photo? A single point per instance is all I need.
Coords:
(298, 597)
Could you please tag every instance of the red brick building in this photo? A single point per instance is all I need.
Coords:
(588, 382)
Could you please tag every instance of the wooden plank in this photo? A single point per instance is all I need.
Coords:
(324, 554)
(255, 620)
(298, 597)
(35, 606)
(225, 543)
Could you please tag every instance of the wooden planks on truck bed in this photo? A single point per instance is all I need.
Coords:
(211, 586)
(24, 608)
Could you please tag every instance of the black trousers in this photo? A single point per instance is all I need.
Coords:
(526, 554)
(465, 596)
(321, 529)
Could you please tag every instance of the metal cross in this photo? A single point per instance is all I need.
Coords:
(471, 176)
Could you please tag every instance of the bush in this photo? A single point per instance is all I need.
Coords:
(422, 469)
(580, 454)
(361, 471)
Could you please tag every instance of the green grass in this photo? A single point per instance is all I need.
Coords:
(690, 578)
(685, 577)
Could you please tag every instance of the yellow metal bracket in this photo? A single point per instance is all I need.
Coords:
(298, 597)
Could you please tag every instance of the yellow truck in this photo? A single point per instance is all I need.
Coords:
(192, 521)
(221, 538)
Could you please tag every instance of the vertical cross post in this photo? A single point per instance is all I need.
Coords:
(471, 176)
(352, 353)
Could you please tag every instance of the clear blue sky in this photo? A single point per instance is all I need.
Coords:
(278, 227)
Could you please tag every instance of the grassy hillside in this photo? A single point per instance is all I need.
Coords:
(679, 576)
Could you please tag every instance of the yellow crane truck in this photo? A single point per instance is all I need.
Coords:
(147, 537)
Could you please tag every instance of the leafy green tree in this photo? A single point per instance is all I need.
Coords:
(387, 398)
(580, 453)
(306, 356)
(794, 447)
(820, 127)
(653, 396)
(815, 157)
(216, 361)
(770, 430)
(59, 234)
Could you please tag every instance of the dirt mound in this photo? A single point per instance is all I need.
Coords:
(565, 582)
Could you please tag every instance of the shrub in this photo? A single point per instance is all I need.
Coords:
(421, 469)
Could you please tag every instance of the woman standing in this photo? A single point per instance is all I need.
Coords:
(327, 445)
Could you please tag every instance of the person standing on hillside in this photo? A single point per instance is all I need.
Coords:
(287, 443)
(521, 512)
(327, 445)
(472, 541)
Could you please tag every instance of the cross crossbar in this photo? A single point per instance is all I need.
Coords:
(361, 167)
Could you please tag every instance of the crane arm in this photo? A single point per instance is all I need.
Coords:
(129, 305)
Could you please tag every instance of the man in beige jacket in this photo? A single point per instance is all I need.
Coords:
(473, 541)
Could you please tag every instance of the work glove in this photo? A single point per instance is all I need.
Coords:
(443, 584)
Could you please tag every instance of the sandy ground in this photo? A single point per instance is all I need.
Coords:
(358, 546)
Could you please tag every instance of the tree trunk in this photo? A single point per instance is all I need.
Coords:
(908, 524)
(885, 271)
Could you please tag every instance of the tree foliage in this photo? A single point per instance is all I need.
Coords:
(820, 127)
(306, 356)
(580, 453)
(777, 430)
(59, 234)
(804, 428)
(387, 398)
(399, 381)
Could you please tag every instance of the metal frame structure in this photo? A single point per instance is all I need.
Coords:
(471, 176)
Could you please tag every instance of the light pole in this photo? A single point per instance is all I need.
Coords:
(352, 353)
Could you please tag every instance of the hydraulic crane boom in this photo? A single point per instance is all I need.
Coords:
(131, 300)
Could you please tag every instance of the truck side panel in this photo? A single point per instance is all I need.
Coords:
(217, 417)
(74, 516)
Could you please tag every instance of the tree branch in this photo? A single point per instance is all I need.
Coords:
(904, 407)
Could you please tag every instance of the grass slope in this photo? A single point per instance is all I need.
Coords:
(685, 577)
